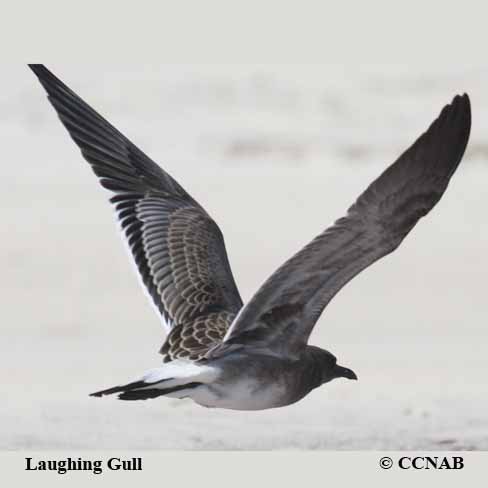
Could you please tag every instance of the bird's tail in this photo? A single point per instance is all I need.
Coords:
(176, 378)
(139, 390)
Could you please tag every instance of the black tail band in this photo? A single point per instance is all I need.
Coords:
(154, 392)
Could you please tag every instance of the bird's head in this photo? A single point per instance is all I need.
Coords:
(329, 369)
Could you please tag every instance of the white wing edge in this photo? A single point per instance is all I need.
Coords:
(166, 325)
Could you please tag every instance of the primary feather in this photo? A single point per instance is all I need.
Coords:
(284, 310)
(177, 247)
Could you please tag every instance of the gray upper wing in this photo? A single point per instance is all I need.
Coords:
(282, 313)
(178, 249)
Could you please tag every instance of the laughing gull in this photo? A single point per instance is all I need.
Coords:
(219, 352)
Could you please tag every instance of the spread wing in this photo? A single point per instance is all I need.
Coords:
(178, 249)
(282, 313)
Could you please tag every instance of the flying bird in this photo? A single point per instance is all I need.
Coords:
(218, 351)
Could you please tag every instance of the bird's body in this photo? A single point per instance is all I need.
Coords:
(219, 351)
(240, 379)
(238, 383)
(257, 382)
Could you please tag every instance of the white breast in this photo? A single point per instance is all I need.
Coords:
(242, 395)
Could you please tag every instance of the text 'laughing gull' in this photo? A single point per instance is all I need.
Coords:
(219, 352)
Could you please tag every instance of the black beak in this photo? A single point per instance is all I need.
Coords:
(345, 373)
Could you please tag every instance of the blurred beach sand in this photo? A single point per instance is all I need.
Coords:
(275, 154)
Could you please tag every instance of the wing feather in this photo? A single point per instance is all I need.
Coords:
(177, 247)
(374, 226)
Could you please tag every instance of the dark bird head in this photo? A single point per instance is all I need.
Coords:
(327, 367)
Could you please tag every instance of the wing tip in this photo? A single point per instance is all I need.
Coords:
(48, 79)
(462, 103)
(463, 117)
(40, 70)
(453, 124)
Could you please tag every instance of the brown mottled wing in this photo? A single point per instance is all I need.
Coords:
(178, 249)
(196, 337)
(281, 315)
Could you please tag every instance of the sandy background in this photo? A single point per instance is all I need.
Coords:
(275, 154)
